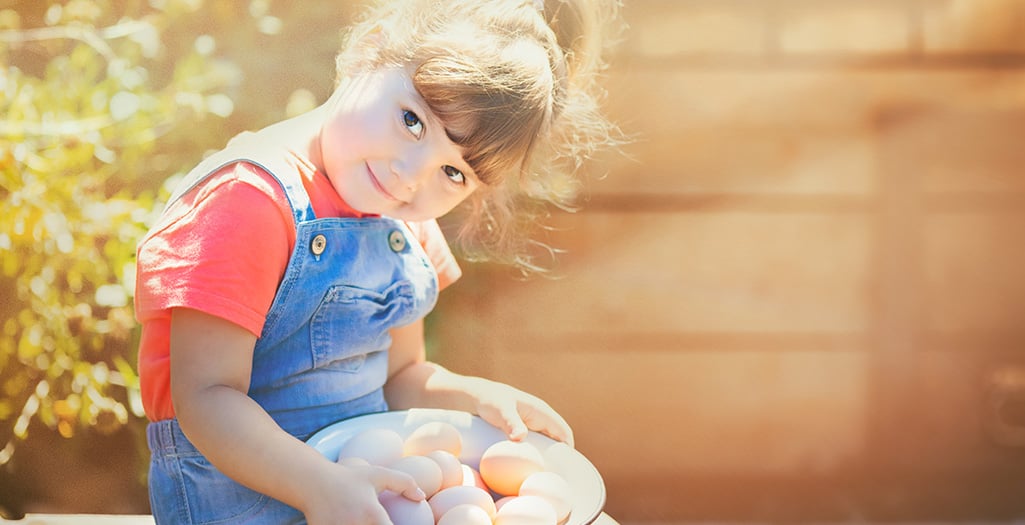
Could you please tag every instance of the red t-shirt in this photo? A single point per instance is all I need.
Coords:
(223, 249)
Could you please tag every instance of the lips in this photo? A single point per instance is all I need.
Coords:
(380, 188)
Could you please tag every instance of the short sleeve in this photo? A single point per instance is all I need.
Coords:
(221, 249)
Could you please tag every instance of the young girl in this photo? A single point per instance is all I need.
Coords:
(284, 287)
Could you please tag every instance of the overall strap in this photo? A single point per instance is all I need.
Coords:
(270, 158)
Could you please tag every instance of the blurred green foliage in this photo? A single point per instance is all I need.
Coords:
(101, 102)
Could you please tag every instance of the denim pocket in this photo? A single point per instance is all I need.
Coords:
(352, 322)
(212, 496)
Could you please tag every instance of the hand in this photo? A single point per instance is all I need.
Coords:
(515, 412)
(348, 495)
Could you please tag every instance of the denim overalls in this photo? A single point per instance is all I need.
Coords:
(322, 355)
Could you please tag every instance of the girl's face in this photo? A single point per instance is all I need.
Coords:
(385, 153)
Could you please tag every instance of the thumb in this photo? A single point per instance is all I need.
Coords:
(397, 482)
(513, 424)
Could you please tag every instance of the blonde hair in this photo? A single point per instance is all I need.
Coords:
(516, 87)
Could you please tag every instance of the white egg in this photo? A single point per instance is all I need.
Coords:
(553, 488)
(436, 435)
(502, 501)
(379, 446)
(526, 510)
(465, 514)
(404, 511)
(446, 499)
(424, 470)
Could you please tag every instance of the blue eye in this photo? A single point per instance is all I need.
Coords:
(454, 175)
(412, 122)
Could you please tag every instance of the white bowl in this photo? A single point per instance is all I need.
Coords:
(588, 488)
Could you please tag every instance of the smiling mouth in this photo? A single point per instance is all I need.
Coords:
(379, 186)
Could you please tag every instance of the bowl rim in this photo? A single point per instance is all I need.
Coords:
(465, 420)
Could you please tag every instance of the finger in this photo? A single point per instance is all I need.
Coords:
(567, 437)
(515, 427)
(517, 433)
(547, 421)
(379, 515)
(398, 482)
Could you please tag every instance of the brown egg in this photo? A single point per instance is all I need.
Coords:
(451, 468)
(436, 435)
(446, 499)
(526, 510)
(424, 470)
(505, 464)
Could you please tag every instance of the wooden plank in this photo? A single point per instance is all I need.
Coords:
(707, 273)
(717, 132)
(703, 412)
(994, 26)
(684, 27)
(973, 267)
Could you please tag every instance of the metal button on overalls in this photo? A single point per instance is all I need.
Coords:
(396, 241)
(318, 245)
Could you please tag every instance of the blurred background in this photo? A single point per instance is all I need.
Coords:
(796, 296)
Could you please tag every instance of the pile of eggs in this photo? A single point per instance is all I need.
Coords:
(510, 487)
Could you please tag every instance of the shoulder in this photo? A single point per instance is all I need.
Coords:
(239, 179)
(238, 187)
(238, 200)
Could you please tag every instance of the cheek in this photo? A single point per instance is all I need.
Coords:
(451, 200)
(355, 136)
(433, 204)
(337, 138)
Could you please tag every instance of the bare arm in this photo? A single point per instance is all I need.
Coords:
(211, 361)
(415, 382)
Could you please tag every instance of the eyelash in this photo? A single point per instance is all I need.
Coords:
(411, 119)
(454, 175)
(407, 117)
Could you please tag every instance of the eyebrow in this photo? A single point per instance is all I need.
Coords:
(433, 121)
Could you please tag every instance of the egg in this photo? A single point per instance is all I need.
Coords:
(526, 510)
(379, 446)
(505, 464)
(436, 435)
(446, 499)
(424, 470)
(502, 501)
(472, 478)
(465, 514)
(553, 488)
(404, 511)
(451, 468)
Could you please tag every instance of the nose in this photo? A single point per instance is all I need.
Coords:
(412, 166)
